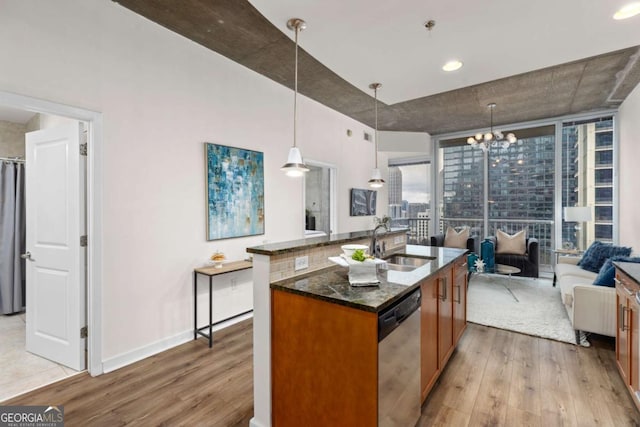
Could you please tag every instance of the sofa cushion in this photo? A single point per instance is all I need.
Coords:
(597, 254)
(511, 244)
(573, 276)
(455, 239)
(568, 269)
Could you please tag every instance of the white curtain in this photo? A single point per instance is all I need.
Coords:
(12, 237)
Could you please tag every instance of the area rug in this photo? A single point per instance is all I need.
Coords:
(491, 301)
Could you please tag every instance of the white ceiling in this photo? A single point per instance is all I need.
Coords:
(366, 41)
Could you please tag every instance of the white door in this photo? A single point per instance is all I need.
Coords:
(55, 220)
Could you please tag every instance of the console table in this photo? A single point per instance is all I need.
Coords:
(211, 272)
(567, 252)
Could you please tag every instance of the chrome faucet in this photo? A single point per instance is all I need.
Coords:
(374, 248)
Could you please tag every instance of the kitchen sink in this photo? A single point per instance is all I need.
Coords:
(405, 262)
(400, 267)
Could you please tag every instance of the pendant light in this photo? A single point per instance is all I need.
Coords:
(492, 138)
(295, 165)
(376, 180)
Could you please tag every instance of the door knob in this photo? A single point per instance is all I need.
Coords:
(26, 255)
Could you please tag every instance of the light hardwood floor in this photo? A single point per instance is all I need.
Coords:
(189, 385)
(494, 378)
(502, 378)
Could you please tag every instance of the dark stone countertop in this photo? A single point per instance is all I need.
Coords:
(315, 242)
(632, 269)
(332, 284)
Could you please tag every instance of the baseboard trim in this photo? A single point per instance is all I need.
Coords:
(254, 423)
(140, 353)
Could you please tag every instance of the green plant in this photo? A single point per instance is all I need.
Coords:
(358, 255)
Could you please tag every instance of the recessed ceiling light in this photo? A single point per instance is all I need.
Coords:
(452, 65)
(632, 9)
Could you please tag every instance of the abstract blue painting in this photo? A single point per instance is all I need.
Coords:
(235, 192)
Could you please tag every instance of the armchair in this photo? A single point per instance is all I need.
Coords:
(473, 243)
(529, 263)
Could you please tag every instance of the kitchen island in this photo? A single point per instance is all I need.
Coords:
(316, 336)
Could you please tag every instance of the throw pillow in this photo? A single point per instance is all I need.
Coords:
(456, 239)
(511, 244)
(597, 254)
(608, 271)
(606, 275)
(589, 252)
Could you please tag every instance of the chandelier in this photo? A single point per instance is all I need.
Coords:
(492, 138)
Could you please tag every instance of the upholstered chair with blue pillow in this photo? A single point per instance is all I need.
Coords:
(525, 256)
(586, 289)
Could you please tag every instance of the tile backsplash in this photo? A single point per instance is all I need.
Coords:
(282, 266)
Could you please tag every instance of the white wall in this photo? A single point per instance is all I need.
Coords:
(629, 122)
(162, 97)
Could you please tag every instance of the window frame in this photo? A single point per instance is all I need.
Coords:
(558, 122)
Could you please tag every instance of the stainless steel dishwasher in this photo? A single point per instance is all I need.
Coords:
(399, 363)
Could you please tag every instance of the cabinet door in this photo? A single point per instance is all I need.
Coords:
(428, 335)
(634, 360)
(445, 316)
(459, 298)
(324, 359)
(622, 333)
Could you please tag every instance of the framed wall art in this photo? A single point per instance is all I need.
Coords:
(235, 192)
(363, 202)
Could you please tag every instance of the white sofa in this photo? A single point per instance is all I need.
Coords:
(591, 308)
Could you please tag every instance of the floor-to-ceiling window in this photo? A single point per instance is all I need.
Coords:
(409, 188)
(461, 185)
(518, 188)
(521, 188)
(587, 181)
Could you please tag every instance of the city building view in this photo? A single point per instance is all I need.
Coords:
(588, 179)
(521, 182)
(409, 199)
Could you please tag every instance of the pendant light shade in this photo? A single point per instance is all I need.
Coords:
(295, 165)
(376, 180)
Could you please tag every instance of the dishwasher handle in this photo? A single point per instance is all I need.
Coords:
(392, 317)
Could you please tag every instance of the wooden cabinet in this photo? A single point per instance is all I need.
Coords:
(460, 275)
(627, 344)
(333, 351)
(622, 335)
(429, 335)
(327, 346)
(443, 315)
(634, 354)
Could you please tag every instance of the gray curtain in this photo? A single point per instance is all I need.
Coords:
(12, 237)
